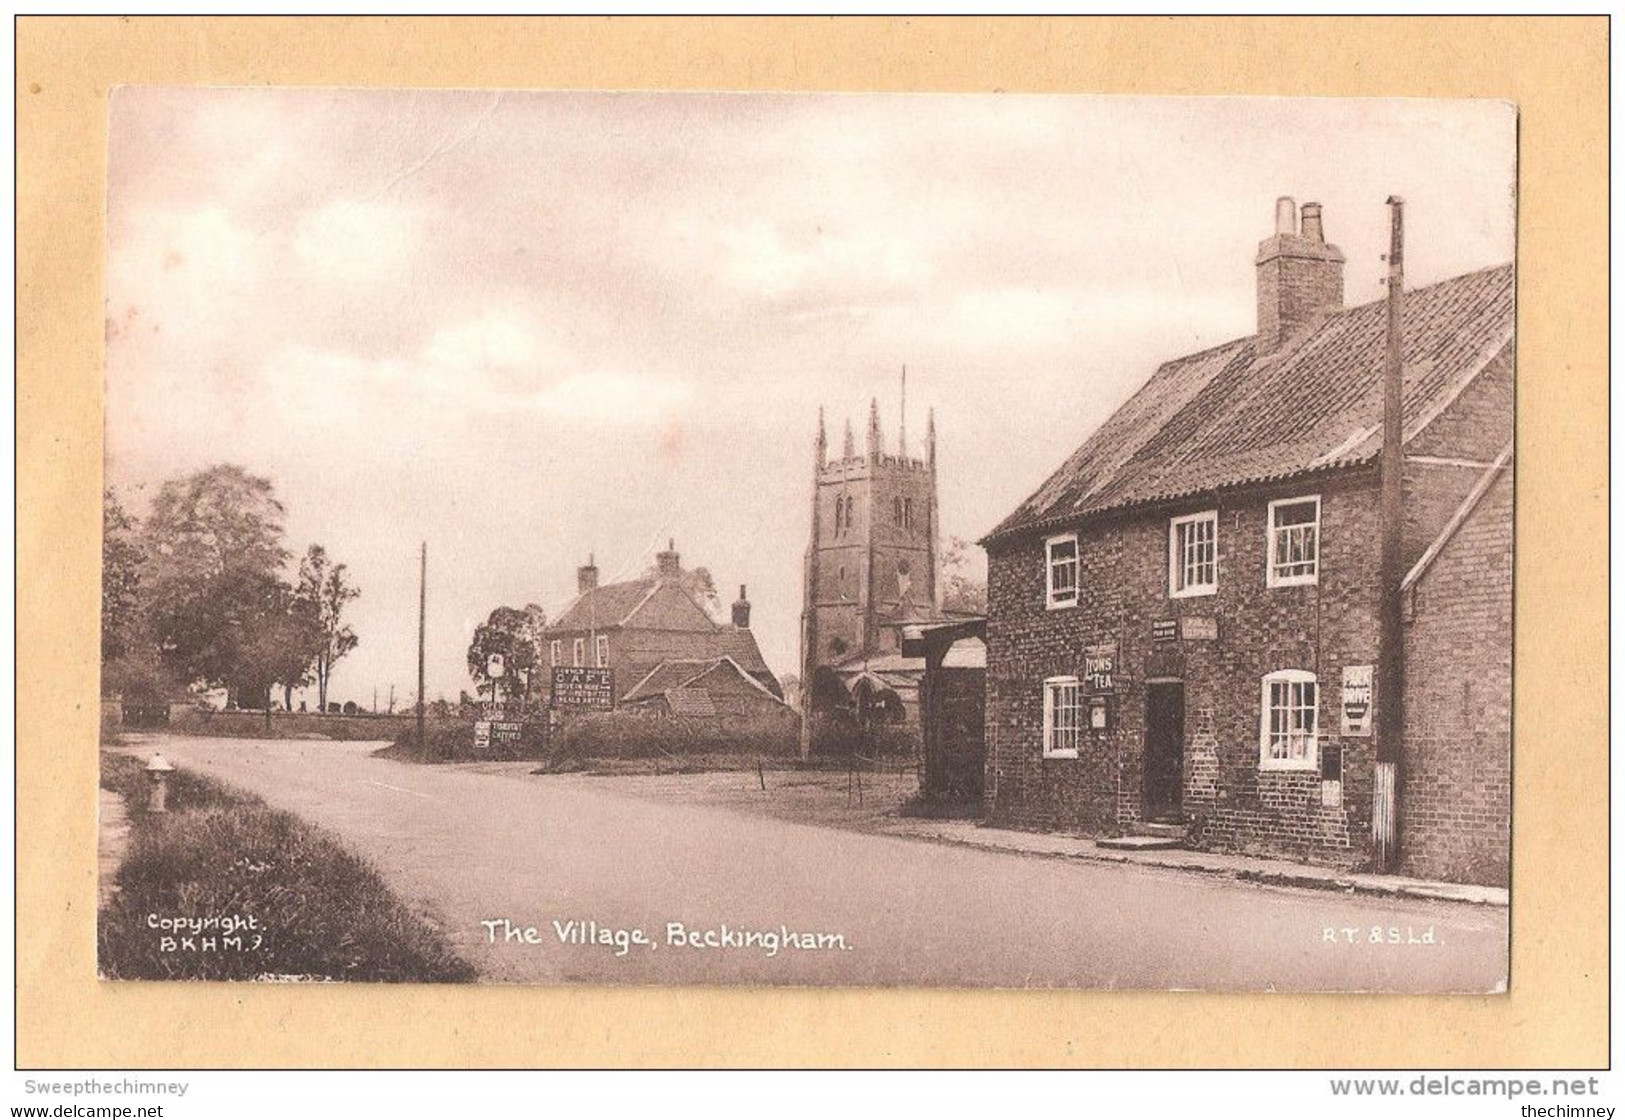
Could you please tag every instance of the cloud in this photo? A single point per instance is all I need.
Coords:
(495, 341)
(771, 262)
(357, 242)
(613, 397)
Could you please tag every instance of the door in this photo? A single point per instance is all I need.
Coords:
(1164, 749)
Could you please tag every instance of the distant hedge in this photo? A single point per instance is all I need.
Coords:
(621, 735)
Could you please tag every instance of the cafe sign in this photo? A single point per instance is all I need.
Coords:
(581, 687)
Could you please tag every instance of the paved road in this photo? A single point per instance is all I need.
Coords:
(467, 847)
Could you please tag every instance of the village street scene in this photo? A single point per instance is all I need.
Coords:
(747, 539)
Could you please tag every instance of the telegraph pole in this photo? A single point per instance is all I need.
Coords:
(1391, 638)
(423, 605)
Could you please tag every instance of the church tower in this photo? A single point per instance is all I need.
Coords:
(872, 557)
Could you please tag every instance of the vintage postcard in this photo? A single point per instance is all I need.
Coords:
(808, 539)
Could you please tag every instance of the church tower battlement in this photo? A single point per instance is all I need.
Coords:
(872, 554)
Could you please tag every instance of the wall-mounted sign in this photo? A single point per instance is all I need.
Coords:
(1358, 704)
(1100, 713)
(1165, 630)
(1199, 628)
(482, 735)
(582, 687)
(1100, 668)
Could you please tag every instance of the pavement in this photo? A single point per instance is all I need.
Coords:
(1255, 869)
(543, 879)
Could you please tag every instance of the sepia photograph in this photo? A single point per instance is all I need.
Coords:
(810, 539)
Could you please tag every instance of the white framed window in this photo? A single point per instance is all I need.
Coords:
(580, 652)
(1063, 717)
(1289, 723)
(1294, 541)
(555, 652)
(602, 651)
(1193, 554)
(1061, 571)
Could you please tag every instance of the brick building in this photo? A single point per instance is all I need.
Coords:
(1183, 620)
(636, 625)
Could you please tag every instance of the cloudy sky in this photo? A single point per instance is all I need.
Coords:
(526, 326)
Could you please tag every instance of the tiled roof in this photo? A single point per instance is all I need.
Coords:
(668, 675)
(694, 702)
(684, 675)
(1229, 416)
(605, 606)
(741, 646)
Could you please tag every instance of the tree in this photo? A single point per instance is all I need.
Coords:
(323, 590)
(510, 635)
(964, 582)
(211, 578)
(698, 583)
(121, 578)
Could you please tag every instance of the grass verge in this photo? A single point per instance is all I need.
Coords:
(321, 912)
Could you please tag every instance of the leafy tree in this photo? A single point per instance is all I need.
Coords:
(323, 590)
(698, 583)
(212, 578)
(964, 582)
(121, 578)
(512, 635)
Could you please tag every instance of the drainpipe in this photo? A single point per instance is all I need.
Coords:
(1391, 639)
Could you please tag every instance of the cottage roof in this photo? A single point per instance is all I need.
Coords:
(684, 675)
(605, 607)
(1232, 416)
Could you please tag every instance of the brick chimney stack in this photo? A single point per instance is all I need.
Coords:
(668, 563)
(587, 576)
(742, 611)
(1300, 276)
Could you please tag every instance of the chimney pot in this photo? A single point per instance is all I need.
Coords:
(1286, 216)
(1311, 223)
(668, 563)
(741, 611)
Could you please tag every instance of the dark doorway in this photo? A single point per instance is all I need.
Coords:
(1164, 749)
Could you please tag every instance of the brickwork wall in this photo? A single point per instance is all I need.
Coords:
(1232, 803)
(1456, 794)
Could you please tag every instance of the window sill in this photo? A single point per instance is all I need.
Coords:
(1295, 767)
(1062, 605)
(1293, 581)
(1061, 754)
(1195, 592)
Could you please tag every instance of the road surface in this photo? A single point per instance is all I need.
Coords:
(492, 853)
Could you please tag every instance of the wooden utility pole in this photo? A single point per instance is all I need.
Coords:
(423, 605)
(1391, 637)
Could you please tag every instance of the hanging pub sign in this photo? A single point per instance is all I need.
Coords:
(1357, 700)
(581, 687)
(1100, 668)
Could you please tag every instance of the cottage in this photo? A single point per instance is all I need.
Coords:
(634, 626)
(1183, 621)
(716, 688)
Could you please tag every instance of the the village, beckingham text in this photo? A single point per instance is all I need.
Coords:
(622, 940)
